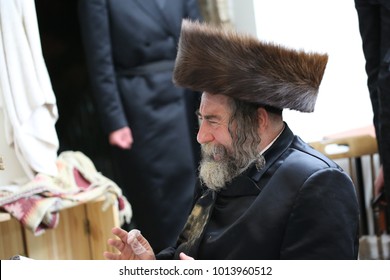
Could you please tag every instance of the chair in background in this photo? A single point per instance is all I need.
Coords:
(353, 148)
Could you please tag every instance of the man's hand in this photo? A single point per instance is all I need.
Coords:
(122, 138)
(131, 246)
(184, 257)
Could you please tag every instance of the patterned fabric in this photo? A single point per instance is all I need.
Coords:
(37, 204)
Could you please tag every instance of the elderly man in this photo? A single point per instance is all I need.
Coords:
(263, 192)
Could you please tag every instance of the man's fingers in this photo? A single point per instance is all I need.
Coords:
(133, 239)
(122, 234)
(139, 245)
(118, 244)
(111, 256)
(108, 256)
(185, 257)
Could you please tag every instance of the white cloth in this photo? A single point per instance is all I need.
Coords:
(28, 98)
(37, 203)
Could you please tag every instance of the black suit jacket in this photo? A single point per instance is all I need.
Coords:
(301, 205)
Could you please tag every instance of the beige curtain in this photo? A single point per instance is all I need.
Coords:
(216, 11)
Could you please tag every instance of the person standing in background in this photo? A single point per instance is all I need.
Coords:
(130, 49)
(374, 26)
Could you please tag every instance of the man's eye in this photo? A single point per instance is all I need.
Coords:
(213, 122)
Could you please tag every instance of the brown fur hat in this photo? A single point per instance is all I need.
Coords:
(221, 61)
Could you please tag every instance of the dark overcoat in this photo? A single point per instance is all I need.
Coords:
(301, 205)
(130, 49)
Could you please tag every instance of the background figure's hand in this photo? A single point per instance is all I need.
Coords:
(122, 138)
(131, 246)
(379, 182)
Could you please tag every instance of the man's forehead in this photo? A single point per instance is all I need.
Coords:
(214, 102)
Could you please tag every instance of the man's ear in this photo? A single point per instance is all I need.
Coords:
(263, 117)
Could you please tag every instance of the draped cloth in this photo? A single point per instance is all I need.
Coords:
(26, 94)
(38, 203)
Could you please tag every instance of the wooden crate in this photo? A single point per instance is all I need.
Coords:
(11, 237)
(81, 234)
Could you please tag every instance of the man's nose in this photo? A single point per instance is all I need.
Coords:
(204, 136)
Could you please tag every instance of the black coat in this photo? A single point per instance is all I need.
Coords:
(301, 205)
(130, 49)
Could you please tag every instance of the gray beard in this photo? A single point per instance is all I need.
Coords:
(215, 174)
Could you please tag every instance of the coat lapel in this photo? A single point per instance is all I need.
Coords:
(155, 12)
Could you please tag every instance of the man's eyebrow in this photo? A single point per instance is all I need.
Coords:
(207, 117)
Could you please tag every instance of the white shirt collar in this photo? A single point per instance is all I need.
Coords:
(273, 141)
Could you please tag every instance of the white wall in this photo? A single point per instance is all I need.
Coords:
(315, 25)
(243, 14)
